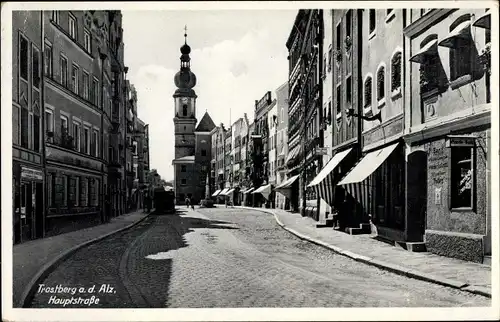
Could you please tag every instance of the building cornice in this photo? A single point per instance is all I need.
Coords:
(426, 21)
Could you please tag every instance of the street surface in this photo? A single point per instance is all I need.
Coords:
(226, 257)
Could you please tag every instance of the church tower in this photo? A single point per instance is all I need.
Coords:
(185, 105)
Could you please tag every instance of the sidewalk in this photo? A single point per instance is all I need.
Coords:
(34, 259)
(467, 276)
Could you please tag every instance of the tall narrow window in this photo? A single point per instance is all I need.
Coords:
(64, 189)
(49, 125)
(77, 191)
(86, 85)
(460, 49)
(48, 60)
(348, 24)
(87, 41)
(56, 16)
(348, 90)
(64, 71)
(36, 132)
(372, 21)
(339, 37)
(368, 92)
(396, 72)
(72, 26)
(95, 139)
(35, 66)
(381, 83)
(95, 92)
(86, 142)
(24, 128)
(339, 100)
(76, 135)
(462, 177)
(30, 130)
(74, 79)
(23, 57)
(184, 110)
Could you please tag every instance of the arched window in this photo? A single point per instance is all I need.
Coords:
(381, 83)
(368, 92)
(461, 45)
(184, 110)
(396, 71)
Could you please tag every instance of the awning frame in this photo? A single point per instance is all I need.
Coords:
(484, 21)
(216, 193)
(462, 31)
(429, 49)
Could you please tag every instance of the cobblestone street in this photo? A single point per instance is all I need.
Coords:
(234, 258)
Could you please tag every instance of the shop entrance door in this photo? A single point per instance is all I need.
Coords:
(27, 215)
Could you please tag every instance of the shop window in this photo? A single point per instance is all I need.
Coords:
(396, 72)
(462, 177)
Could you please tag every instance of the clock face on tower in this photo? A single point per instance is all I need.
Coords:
(184, 100)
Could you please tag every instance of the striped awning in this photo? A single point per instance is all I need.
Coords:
(288, 183)
(428, 49)
(460, 31)
(286, 187)
(293, 154)
(483, 21)
(323, 184)
(215, 194)
(264, 190)
(223, 192)
(357, 182)
(248, 190)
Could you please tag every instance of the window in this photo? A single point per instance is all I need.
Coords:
(64, 124)
(72, 26)
(338, 98)
(36, 132)
(49, 121)
(35, 66)
(461, 51)
(184, 110)
(324, 68)
(339, 37)
(381, 83)
(87, 41)
(76, 135)
(23, 57)
(203, 153)
(94, 93)
(348, 25)
(95, 143)
(84, 190)
(86, 85)
(204, 168)
(48, 60)
(64, 190)
(348, 90)
(86, 140)
(396, 72)
(183, 182)
(372, 21)
(74, 79)
(183, 168)
(77, 191)
(462, 177)
(56, 16)
(15, 124)
(368, 92)
(64, 71)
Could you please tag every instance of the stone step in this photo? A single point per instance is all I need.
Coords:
(354, 231)
(416, 247)
(326, 223)
(487, 260)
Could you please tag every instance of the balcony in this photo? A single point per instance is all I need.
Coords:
(61, 140)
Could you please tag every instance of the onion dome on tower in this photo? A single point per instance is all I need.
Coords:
(185, 79)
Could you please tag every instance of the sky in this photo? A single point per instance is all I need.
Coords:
(237, 56)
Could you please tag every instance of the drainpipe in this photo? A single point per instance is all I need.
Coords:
(42, 120)
(320, 105)
(102, 57)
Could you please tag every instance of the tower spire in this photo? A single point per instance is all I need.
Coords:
(185, 33)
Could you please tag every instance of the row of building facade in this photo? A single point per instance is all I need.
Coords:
(385, 119)
(80, 153)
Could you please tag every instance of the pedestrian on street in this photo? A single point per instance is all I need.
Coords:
(187, 202)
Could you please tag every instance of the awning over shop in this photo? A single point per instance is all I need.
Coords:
(264, 190)
(286, 187)
(293, 154)
(133, 191)
(429, 49)
(229, 192)
(248, 190)
(483, 21)
(460, 31)
(223, 192)
(357, 181)
(215, 194)
(323, 183)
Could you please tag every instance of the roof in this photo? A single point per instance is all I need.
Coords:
(206, 124)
